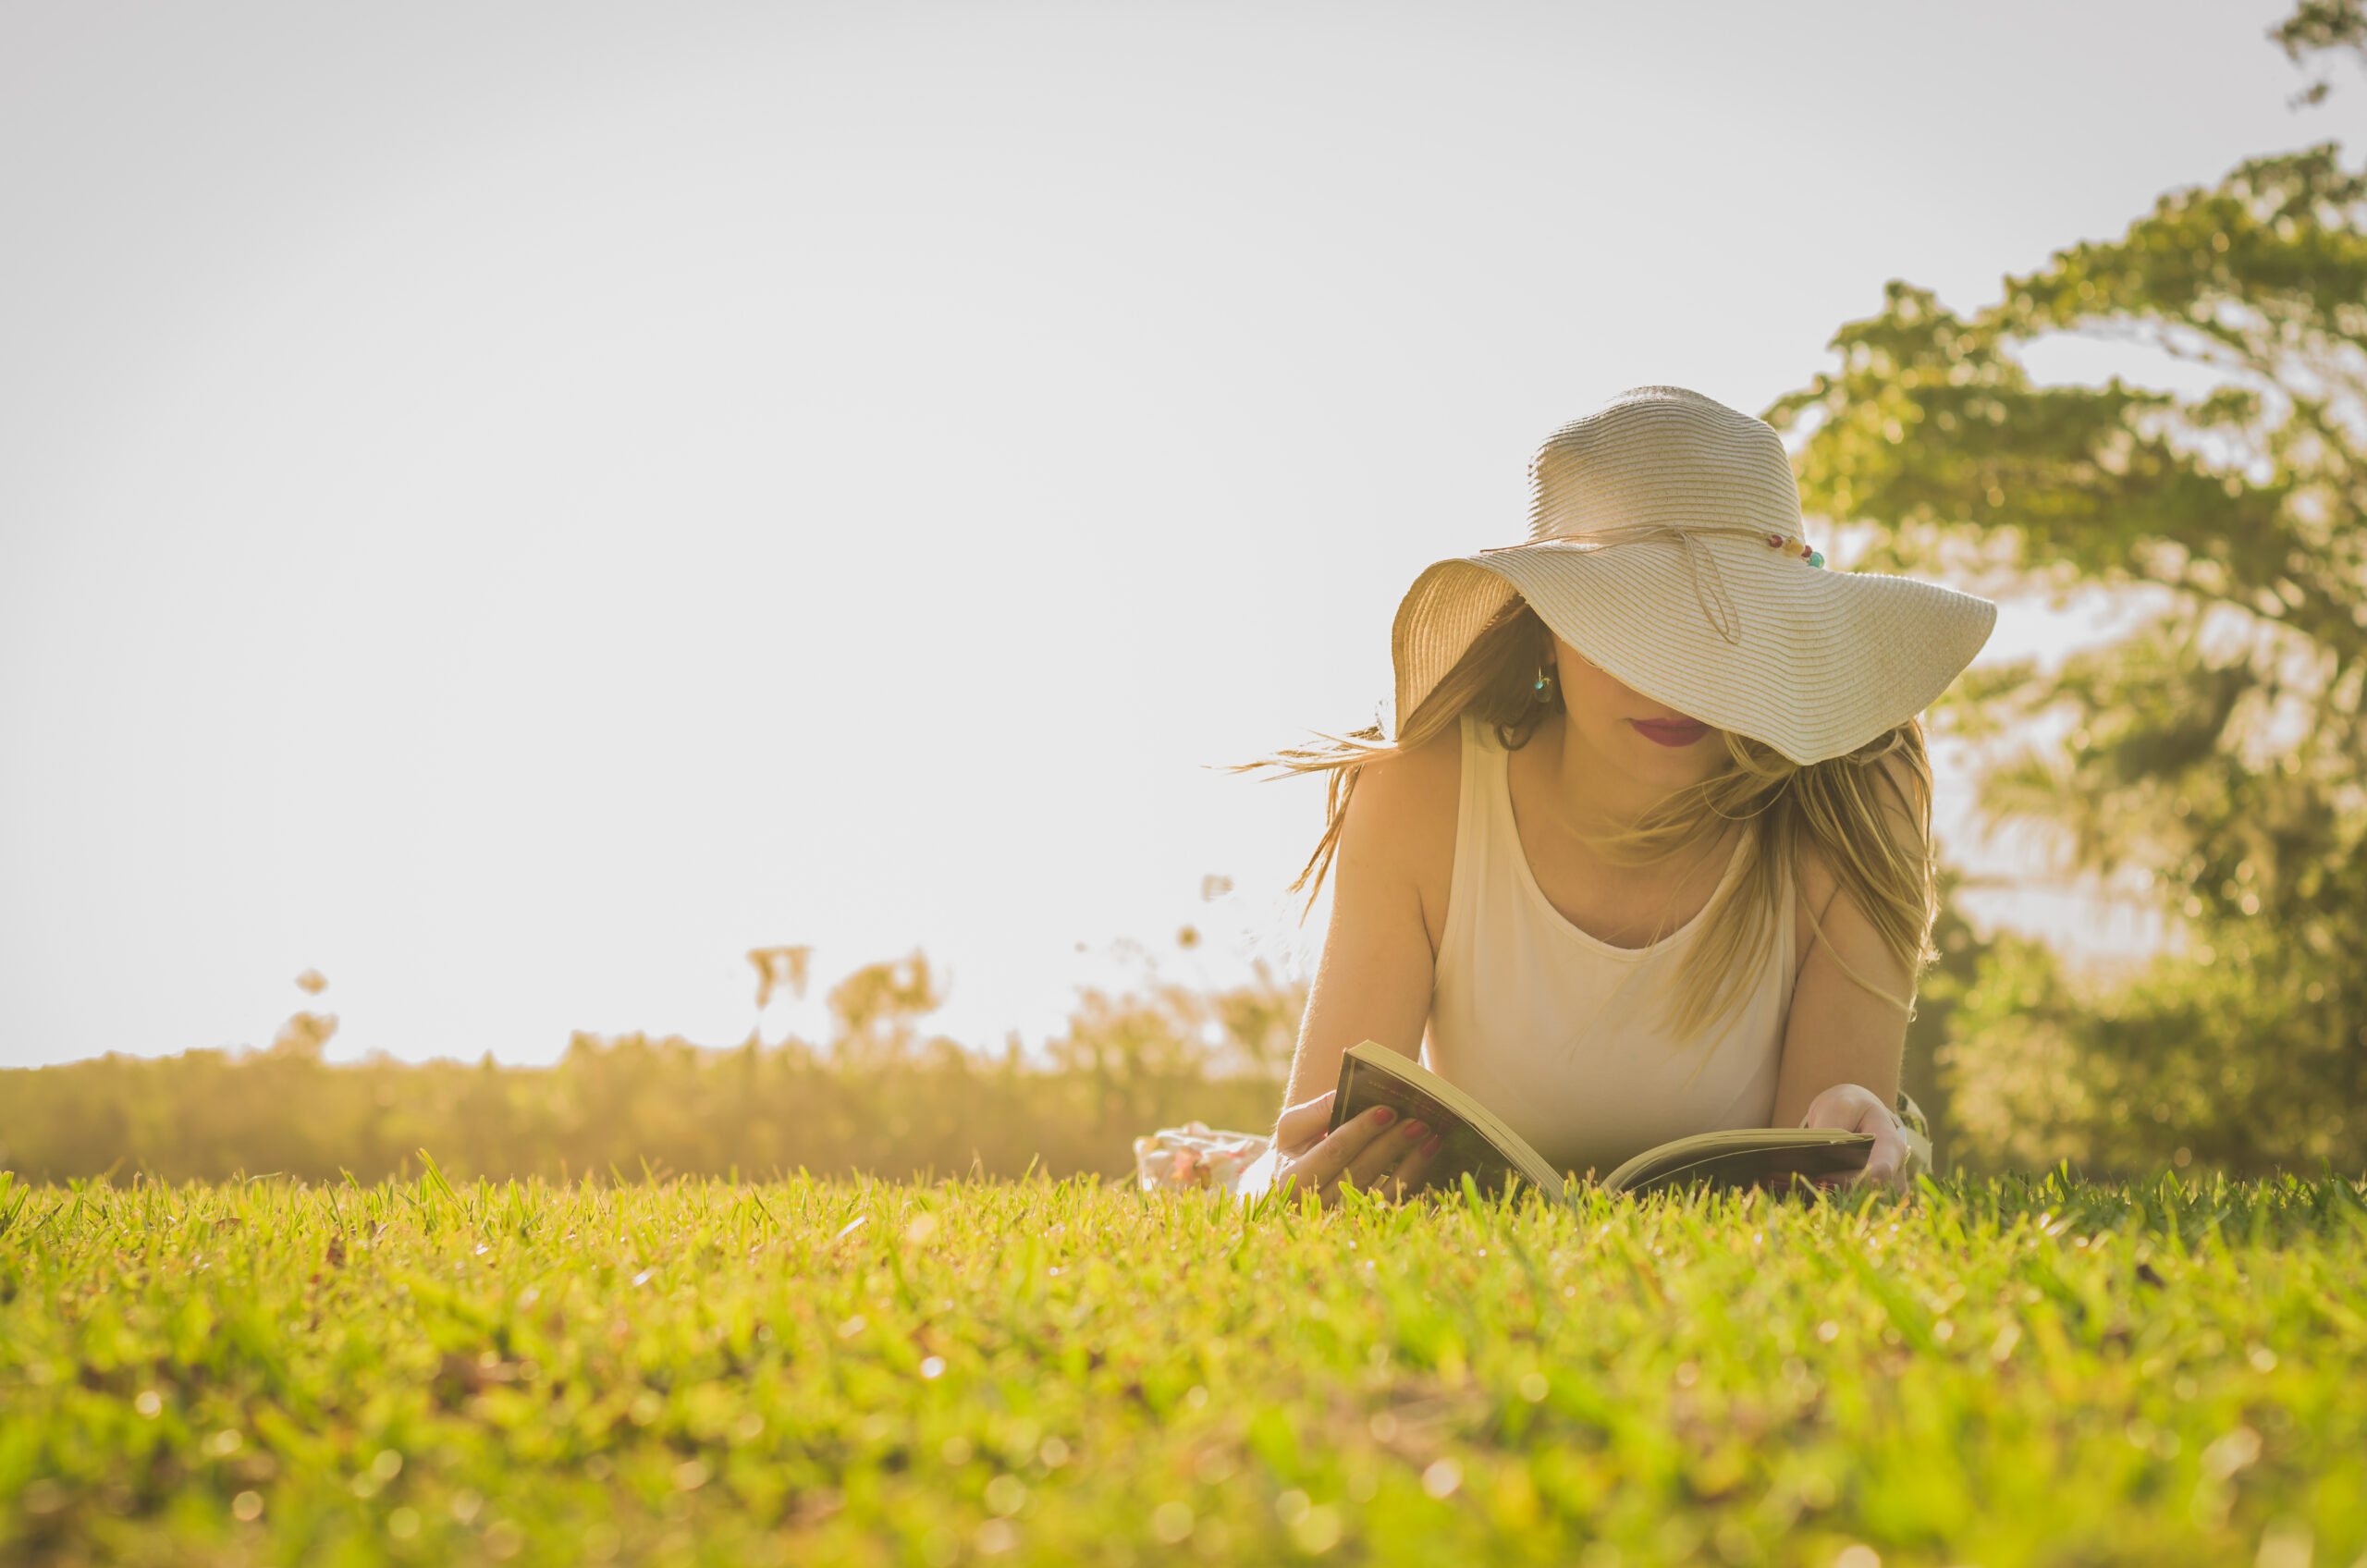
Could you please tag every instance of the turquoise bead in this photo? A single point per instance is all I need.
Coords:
(1817, 559)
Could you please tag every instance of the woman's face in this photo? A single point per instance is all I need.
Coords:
(1651, 742)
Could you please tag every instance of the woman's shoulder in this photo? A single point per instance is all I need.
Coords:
(1404, 811)
(1407, 788)
(1899, 800)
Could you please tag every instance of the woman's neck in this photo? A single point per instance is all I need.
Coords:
(1594, 797)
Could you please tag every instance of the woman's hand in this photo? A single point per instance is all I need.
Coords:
(1855, 1109)
(1379, 1150)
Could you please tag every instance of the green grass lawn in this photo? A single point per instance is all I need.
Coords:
(817, 1372)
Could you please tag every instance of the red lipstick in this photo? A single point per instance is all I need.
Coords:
(1670, 731)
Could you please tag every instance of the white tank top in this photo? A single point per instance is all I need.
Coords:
(1561, 1034)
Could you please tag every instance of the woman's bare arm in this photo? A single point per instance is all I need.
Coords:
(1374, 980)
(1841, 1042)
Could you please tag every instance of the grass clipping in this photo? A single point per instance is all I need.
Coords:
(816, 1372)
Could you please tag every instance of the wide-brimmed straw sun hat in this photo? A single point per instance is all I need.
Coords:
(1666, 545)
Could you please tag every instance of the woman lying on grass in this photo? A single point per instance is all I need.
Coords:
(1649, 855)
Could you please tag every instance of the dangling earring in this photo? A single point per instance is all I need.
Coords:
(1543, 690)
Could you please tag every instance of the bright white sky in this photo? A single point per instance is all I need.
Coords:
(515, 505)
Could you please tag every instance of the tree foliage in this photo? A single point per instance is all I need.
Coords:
(2317, 26)
(2215, 756)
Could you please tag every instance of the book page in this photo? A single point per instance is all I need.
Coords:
(1753, 1157)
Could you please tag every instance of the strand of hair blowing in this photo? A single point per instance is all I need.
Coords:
(1867, 815)
(1492, 680)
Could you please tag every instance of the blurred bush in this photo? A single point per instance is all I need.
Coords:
(2213, 759)
(879, 1097)
(2245, 1062)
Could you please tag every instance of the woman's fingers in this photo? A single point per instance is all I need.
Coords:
(1383, 1155)
(1415, 1167)
(1321, 1166)
(1844, 1106)
(1886, 1163)
(1854, 1108)
(1302, 1125)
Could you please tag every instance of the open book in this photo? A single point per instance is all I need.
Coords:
(1478, 1142)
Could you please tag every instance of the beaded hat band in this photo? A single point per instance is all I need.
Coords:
(1666, 545)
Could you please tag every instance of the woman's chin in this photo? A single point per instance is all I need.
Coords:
(1673, 767)
(1653, 762)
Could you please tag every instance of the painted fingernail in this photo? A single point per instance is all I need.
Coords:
(1414, 1129)
(1382, 1116)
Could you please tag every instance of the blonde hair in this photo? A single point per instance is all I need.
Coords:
(1780, 805)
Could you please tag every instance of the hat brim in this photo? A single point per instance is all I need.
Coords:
(1813, 662)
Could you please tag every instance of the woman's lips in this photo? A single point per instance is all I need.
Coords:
(1670, 731)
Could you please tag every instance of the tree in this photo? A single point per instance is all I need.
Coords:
(2320, 26)
(1138, 1047)
(2215, 756)
(875, 1011)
